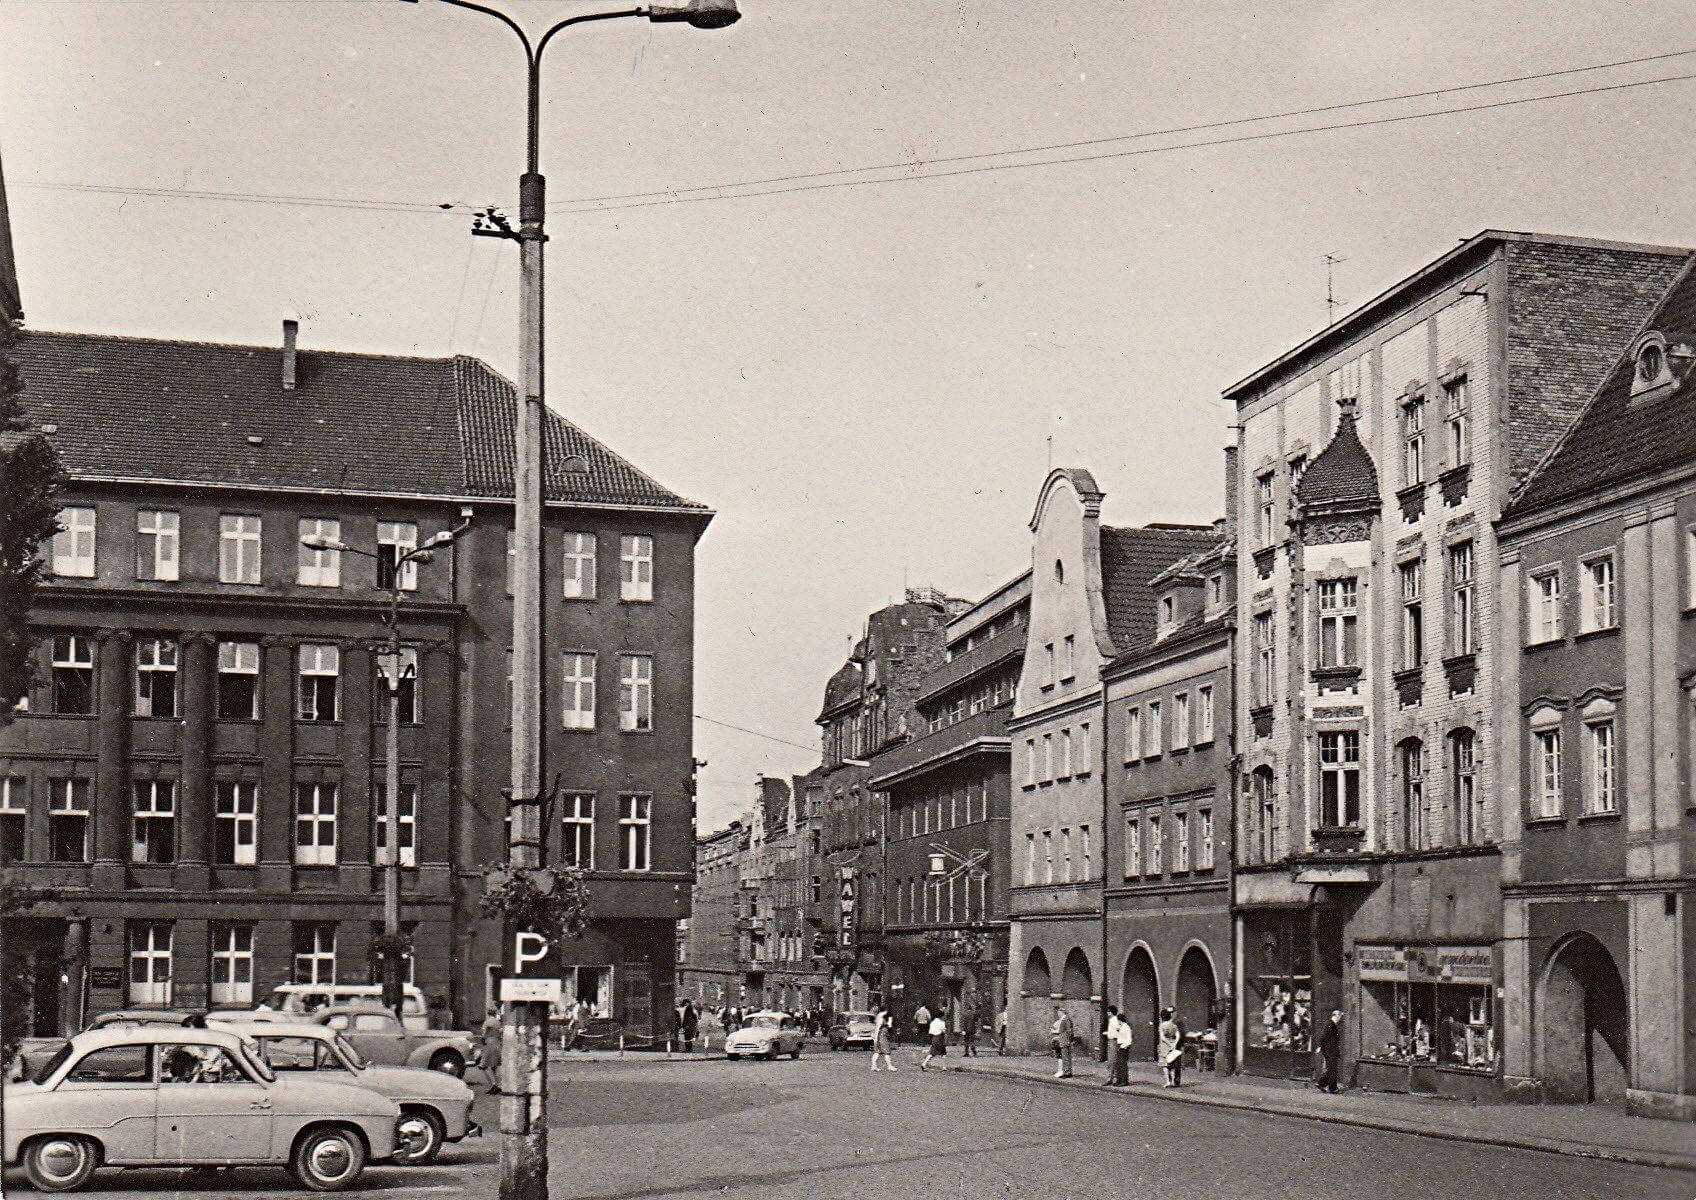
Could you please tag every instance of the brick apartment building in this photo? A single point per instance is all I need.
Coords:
(1596, 731)
(1167, 836)
(1374, 460)
(199, 768)
(1090, 603)
(945, 938)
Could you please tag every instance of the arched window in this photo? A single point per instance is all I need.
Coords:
(1410, 757)
(1466, 802)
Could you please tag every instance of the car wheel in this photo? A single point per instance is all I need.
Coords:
(60, 1163)
(836, 1043)
(328, 1160)
(424, 1132)
(731, 1057)
(771, 1055)
(448, 1062)
(795, 1053)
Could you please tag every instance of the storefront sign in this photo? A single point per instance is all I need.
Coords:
(1472, 965)
(848, 896)
(1463, 964)
(1382, 963)
(106, 977)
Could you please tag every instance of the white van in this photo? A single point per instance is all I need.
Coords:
(307, 998)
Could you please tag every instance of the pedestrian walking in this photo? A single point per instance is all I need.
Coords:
(691, 1025)
(1061, 1034)
(1001, 1032)
(492, 1049)
(1110, 1041)
(1125, 1037)
(921, 1021)
(880, 1041)
(1328, 1049)
(1171, 1048)
(938, 1048)
(969, 1032)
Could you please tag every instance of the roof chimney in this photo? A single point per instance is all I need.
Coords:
(291, 328)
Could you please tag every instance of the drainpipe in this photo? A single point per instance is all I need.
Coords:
(1106, 967)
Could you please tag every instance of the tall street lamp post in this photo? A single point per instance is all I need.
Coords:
(395, 566)
(523, 1082)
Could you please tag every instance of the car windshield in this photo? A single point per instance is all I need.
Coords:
(352, 1055)
(53, 1064)
(765, 1020)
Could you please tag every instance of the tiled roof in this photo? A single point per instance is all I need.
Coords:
(1199, 628)
(1571, 310)
(1342, 476)
(843, 688)
(1616, 440)
(197, 412)
(1130, 559)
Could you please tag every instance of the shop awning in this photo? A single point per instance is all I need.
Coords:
(1273, 889)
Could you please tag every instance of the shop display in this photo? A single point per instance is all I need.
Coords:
(1429, 1005)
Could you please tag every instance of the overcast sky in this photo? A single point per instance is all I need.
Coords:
(862, 379)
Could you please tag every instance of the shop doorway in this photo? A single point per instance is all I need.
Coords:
(1583, 1036)
(1139, 999)
(1198, 994)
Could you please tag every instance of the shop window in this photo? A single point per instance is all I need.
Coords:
(1408, 1017)
(1278, 954)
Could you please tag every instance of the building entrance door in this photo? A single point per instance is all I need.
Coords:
(1583, 1036)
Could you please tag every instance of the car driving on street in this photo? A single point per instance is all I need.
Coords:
(767, 1035)
(162, 1096)
(853, 1029)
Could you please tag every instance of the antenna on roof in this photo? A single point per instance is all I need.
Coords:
(1331, 301)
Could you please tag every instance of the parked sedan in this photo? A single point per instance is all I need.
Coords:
(853, 1029)
(155, 1096)
(33, 1052)
(767, 1035)
(435, 1107)
(383, 1039)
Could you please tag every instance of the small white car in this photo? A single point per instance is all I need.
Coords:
(435, 1106)
(767, 1035)
(153, 1096)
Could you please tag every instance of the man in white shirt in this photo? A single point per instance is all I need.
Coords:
(1110, 1039)
(1122, 1056)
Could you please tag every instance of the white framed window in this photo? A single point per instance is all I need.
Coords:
(1339, 779)
(1338, 623)
(577, 829)
(1180, 840)
(1156, 846)
(1265, 659)
(68, 821)
(1133, 733)
(1030, 762)
(1068, 657)
(1263, 792)
(580, 566)
(1204, 839)
(636, 567)
(1413, 440)
(153, 821)
(150, 963)
(155, 677)
(1463, 619)
(1414, 833)
(402, 674)
(636, 692)
(320, 682)
(635, 833)
(1048, 856)
(1153, 731)
(1600, 790)
(235, 825)
(395, 540)
(1547, 765)
(1030, 859)
(319, 568)
(1181, 721)
(239, 541)
(578, 688)
(232, 963)
(1084, 762)
(1412, 578)
(315, 824)
(1265, 509)
(73, 544)
(406, 832)
(238, 681)
(1457, 420)
(315, 952)
(1597, 609)
(156, 544)
(1546, 625)
(1065, 771)
(1133, 844)
(1463, 783)
(1204, 721)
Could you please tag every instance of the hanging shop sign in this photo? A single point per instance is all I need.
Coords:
(849, 894)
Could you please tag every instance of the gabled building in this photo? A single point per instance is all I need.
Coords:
(1374, 459)
(945, 931)
(1090, 603)
(1596, 732)
(200, 768)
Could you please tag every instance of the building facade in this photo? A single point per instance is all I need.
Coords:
(1596, 729)
(709, 964)
(945, 933)
(1167, 839)
(199, 769)
(1090, 603)
(1374, 459)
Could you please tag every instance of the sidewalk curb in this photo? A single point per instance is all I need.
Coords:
(1641, 1158)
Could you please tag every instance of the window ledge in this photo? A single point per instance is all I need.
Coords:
(1587, 634)
(1202, 742)
(1545, 643)
(1555, 820)
(1599, 816)
(1180, 750)
(1323, 675)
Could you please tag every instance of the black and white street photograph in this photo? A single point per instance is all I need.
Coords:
(831, 600)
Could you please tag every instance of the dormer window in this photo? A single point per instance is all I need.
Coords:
(1215, 590)
(1168, 612)
(1652, 366)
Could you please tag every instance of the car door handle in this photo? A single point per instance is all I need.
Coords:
(260, 1104)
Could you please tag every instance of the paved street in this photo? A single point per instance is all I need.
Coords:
(826, 1127)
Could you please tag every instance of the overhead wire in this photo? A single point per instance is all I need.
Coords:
(756, 733)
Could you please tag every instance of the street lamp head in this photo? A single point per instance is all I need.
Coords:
(701, 14)
(315, 542)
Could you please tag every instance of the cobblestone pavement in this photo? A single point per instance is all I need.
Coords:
(825, 1127)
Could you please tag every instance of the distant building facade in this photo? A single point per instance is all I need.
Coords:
(709, 966)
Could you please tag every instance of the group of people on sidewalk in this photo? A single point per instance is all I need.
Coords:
(1120, 1036)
